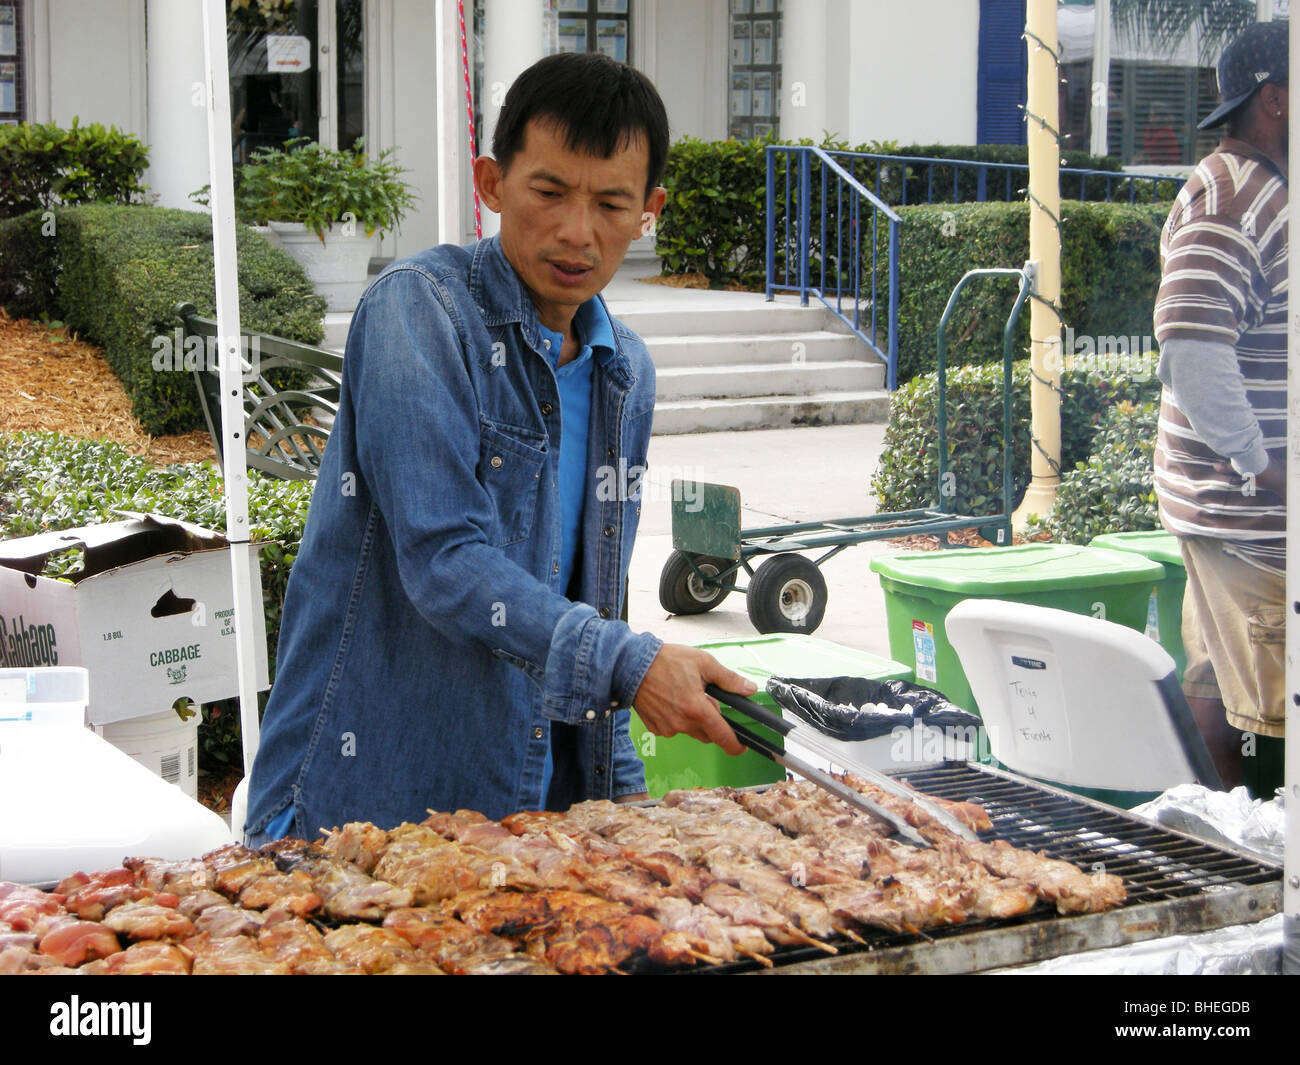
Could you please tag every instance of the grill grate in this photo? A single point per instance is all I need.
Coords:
(1158, 866)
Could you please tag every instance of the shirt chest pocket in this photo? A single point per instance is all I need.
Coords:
(510, 469)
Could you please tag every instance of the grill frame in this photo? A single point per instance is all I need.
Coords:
(1177, 884)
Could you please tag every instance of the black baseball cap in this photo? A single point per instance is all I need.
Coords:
(1255, 57)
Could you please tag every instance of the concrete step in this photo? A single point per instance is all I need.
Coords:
(770, 412)
(336, 330)
(744, 316)
(747, 349)
(767, 379)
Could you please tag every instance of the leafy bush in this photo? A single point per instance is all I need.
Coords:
(908, 474)
(1113, 490)
(1110, 271)
(317, 186)
(43, 166)
(117, 273)
(51, 482)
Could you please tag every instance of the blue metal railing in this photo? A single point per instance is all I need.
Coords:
(995, 181)
(826, 259)
(841, 278)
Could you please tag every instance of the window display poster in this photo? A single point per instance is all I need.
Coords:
(616, 7)
(740, 87)
(740, 44)
(572, 5)
(611, 38)
(8, 30)
(740, 7)
(8, 90)
(287, 55)
(764, 7)
(762, 98)
(573, 35)
(762, 43)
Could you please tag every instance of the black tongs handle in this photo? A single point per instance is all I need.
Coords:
(750, 708)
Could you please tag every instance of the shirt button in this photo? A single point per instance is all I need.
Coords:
(600, 770)
(609, 530)
(496, 462)
(591, 715)
(613, 704)
(607, 713)
(555, 569)
(604, 612)
(546, 408)
(537, 733)
(546, 344)
(610, 452)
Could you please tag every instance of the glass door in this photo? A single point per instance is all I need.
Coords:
(296, 70)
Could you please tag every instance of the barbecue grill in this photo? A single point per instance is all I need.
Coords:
(1176, 884)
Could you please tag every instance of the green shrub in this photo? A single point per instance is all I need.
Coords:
(308, 183)
(1113, 490)
(1110, 271)
(42, 166)
(120, 270)
(908, 474)
(51, 482)
(29, 266)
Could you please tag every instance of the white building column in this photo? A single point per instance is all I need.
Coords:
(513, 36)
(178, 142)
(805, 106)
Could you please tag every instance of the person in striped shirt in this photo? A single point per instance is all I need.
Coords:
(1220, 474)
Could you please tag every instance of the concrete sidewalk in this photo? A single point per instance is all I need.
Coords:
(784, 475)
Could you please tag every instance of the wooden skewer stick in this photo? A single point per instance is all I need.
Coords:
(708, 959)
(765, 962)
(804, 937)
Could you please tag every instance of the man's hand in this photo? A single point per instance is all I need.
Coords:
(1273, 479)
(671, 698)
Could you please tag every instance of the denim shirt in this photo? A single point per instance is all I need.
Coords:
(427, 655)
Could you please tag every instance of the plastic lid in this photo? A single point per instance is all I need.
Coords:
(990, 571)
(1157, 545)
(796, 655)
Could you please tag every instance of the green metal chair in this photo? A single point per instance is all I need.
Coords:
(287, 382)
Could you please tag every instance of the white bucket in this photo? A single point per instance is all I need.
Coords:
(163, 744)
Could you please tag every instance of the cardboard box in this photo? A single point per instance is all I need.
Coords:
(150, 614)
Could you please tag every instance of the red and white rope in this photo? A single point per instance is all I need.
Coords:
(469, 108)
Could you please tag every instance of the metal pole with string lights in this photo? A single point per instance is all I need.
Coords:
(1045, 362)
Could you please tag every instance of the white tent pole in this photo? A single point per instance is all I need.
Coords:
(221, 180)
(449, 106)
(1291, 790)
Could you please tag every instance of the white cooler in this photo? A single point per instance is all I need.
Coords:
(70, 800)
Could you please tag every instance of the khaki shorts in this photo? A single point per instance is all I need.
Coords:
(1234, 626)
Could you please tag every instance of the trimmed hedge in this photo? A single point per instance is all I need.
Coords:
(1113, 490)
(1110, 271)
(113, 274)
(907, 477)
(42, 166)
(52, 482)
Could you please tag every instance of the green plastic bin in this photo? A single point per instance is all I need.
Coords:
(920, 589)
(683, 762)
(1165, 605)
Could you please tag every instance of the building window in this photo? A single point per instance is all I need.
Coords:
(754, 69)
(13, 95)
(602, 26)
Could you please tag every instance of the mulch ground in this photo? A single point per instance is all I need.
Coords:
(52, 380)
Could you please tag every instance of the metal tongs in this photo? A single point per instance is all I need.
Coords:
(777, 753)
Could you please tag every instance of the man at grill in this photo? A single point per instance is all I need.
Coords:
(451, 633)
(1220, 460)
